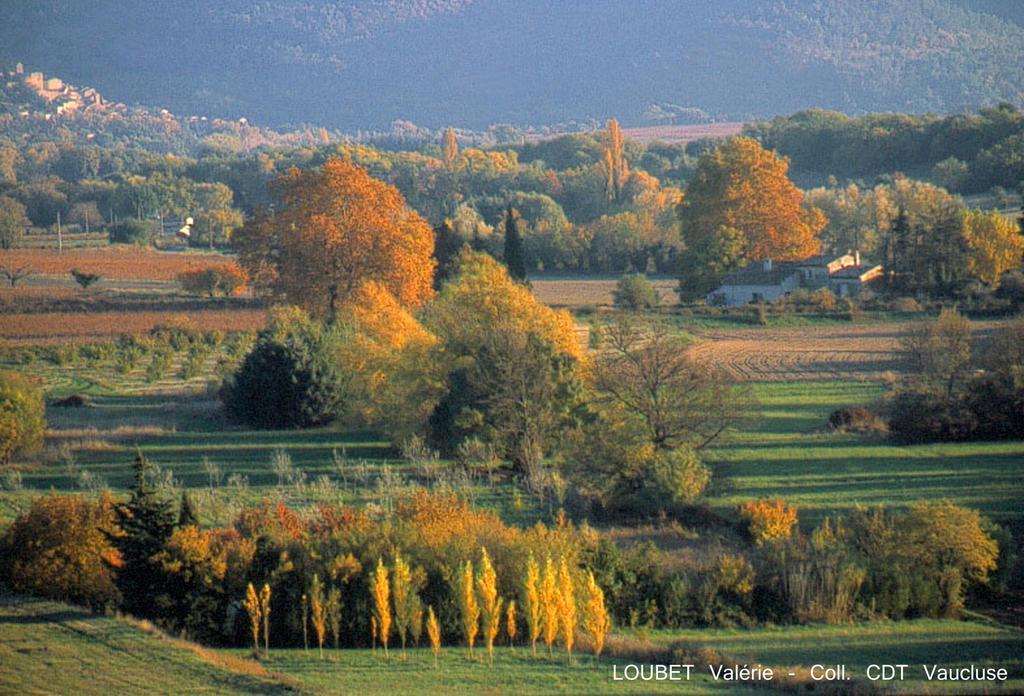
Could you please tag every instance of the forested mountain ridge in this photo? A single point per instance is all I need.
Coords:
(471, 63)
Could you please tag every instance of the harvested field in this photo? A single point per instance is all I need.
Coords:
(57, 327)
(583, 292)
(802, 353)
(682, 134)
(113, 262)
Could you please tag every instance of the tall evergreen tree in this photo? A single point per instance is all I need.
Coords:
(515, 258)
(447, 246)
(187, 514)
(146, 522)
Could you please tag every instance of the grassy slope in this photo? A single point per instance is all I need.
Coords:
(514, 672)
(950, 643)
(47, 647)
(789, 454)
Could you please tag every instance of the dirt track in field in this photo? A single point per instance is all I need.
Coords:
(808, 353)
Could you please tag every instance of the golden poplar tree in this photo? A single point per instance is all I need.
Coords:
(434, 632)
(402, 595)
(615, 166)
(549, 603)
(333, 230)
(532, 601)
(304, 605)
(334, 615)
(510, 622)
(252, 608)
(566, 606)
(469, 608)
(450, 148)
(265, 612)
(490, 602)
(596, 619)
(381, 591)
(318, 610)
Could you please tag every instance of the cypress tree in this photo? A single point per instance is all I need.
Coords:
(515, 259)
(146, 522)
(447, 246)
(187, 514)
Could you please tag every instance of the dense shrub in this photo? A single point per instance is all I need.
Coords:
(768, 520)
(815, 577)
(635, 292)
(855, 419)
(290, 379)
(59, 549)
(917, 417)
(921, 561)
(22, 415)
(905, 304)
(225, 279)
(996, 404)
(132, 232)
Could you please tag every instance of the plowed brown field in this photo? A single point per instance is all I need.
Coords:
(809, 353)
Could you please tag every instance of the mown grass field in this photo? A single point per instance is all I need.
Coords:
(914, 643)
(48, 647)
(789, 453)
(52, 648)
(514, 671)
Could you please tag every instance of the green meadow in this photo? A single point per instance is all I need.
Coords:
(914, 643)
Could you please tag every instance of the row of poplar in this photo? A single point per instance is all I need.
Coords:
(553, 607)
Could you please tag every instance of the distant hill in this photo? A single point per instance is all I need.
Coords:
(360, 64)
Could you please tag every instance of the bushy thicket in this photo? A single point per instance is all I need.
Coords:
(22, 415)
(225, 279)
(945, 397)
(635, 291)
(132, 232)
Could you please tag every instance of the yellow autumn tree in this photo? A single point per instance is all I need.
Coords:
(449, 148)
(403, 597)
(318, 611)
(265, 613)
(743, 187)
(490, 602)
(596, 619)
(994, 245)
(434, 632)
(333, 229)
(532, 603)
(252, 608)
(549, 599)
(380, 589)
(469, 608)
(566, 607)
(616, 169)
(395, 379)
(510, 622)
(334, 615)
(481, 298)
(769, 520)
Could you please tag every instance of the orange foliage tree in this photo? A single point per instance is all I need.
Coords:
(742, 186)
(335, 229)
(769, 520)
(59, 548)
